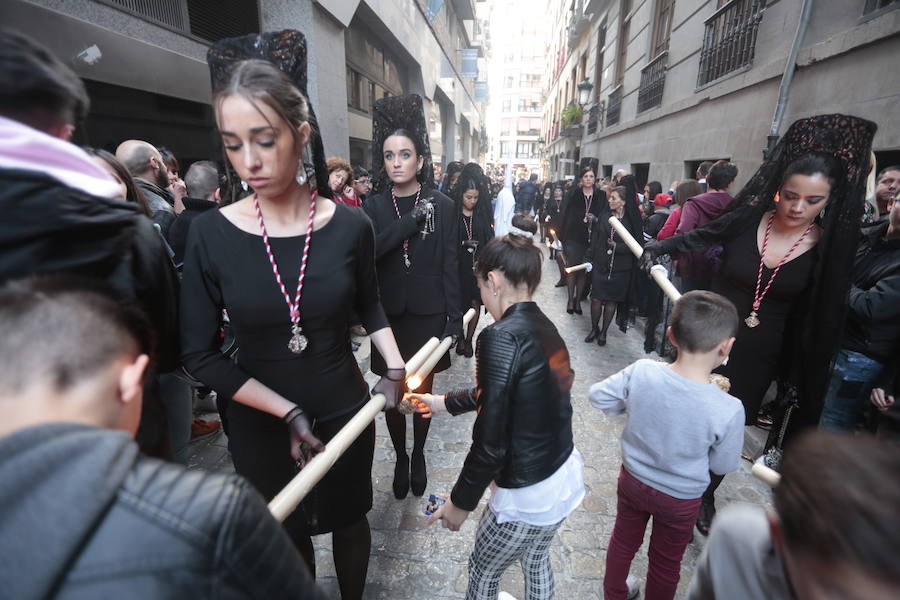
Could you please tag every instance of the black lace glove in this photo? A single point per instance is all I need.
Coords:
(392, 385)
(454, 330)
(652, 251)
(420, 210)
(303, 443)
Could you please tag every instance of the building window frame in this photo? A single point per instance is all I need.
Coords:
(729, 41)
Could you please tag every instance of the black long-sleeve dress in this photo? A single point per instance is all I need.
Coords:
(573, 230)
(421, 301)
(471, 229)
(226, 267)
(553, 210)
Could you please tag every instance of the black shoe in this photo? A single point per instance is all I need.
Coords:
(401, 477)
(578, 308)
(418, 478)
(469, 350)
(561, 282)
(460, 347)
(601, 339)
(592, 336)
(705, 518)
(570, 307)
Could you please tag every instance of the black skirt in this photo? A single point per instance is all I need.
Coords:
(260, 448)
(574, 252)
(411, 333)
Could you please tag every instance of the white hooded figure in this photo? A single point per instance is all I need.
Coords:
(505, 207)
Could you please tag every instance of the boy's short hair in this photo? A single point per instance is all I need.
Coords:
(837, 502)
(702, 320)
(60, 330)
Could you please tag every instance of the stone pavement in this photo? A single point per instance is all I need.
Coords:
(411, 560)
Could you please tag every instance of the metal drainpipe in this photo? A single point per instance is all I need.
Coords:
(788, 77)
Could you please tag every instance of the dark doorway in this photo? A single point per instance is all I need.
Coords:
(641, 172)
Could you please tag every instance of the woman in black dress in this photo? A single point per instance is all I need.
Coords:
(583, 206)
(785, 266)
(614, 263)
(476, 228)
(553, 209)
(295, 380)
(416, 239)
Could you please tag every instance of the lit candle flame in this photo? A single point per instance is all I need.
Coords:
(413, 383)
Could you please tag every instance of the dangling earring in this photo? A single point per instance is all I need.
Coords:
(301, 173)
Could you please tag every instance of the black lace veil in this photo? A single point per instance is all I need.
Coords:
(483, 220)
(285, 49)
(393, 113)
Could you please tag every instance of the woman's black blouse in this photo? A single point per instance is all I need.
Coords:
(226, 267)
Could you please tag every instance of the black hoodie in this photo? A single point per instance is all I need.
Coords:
(48, 227)
(85, 516)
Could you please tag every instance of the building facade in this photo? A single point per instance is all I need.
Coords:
(677, 82)
(516, 70)
(144, 64)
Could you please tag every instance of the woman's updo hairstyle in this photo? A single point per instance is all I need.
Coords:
(261, 81)
(621, 191)
(816, 163)
(585, 170)
(514, 255)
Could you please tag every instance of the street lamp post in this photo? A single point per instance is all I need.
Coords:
(584, 91)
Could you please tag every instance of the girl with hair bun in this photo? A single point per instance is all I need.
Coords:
(476, 228)
(522, 437)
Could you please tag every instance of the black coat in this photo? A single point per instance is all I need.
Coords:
(178, 232)
(523, 432)
(873, 322)
(431, 285)
(86, 516)
(571, 222)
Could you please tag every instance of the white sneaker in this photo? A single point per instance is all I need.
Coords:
(634, 587)
(505, 596)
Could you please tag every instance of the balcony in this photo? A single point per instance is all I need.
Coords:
(614, 107)
(653, 80)
(729, 42)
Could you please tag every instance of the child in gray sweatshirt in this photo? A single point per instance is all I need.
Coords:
(680, 428)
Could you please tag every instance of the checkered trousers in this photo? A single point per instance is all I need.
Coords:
(497, 546)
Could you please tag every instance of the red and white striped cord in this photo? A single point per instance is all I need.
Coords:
(757, 297)
(295, 306)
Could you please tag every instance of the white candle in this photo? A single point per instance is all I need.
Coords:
(413, 364)
(625, 235)
(582, 267)
(293, 493)
(661, 277)
(768, 476)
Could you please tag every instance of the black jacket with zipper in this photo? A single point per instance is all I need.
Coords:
(873, 322)
(523, 432)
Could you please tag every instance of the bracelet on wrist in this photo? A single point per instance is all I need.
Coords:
(292, 414)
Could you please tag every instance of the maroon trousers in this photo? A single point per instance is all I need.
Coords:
(673, 524)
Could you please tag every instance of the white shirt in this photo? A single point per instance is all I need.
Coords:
(546, 502)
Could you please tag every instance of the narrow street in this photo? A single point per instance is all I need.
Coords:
(410, 560)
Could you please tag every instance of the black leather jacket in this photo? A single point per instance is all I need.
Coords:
(523, 432)
(85, 516)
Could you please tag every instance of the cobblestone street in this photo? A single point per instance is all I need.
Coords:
(411, 560)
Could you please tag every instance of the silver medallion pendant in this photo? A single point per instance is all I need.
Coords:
(298, 342)
(470, 250)
(752, 320)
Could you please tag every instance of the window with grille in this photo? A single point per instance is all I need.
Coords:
(653, 81)
(210, 21)
(729, 41)
(614, 107)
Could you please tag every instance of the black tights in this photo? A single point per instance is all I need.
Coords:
(575, 285)
(351, 547)
(396, 424)
(605, 307)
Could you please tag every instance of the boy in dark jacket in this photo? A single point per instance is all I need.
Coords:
(84, 514)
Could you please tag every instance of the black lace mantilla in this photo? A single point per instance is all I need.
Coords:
(285, 49)
(389, 115)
